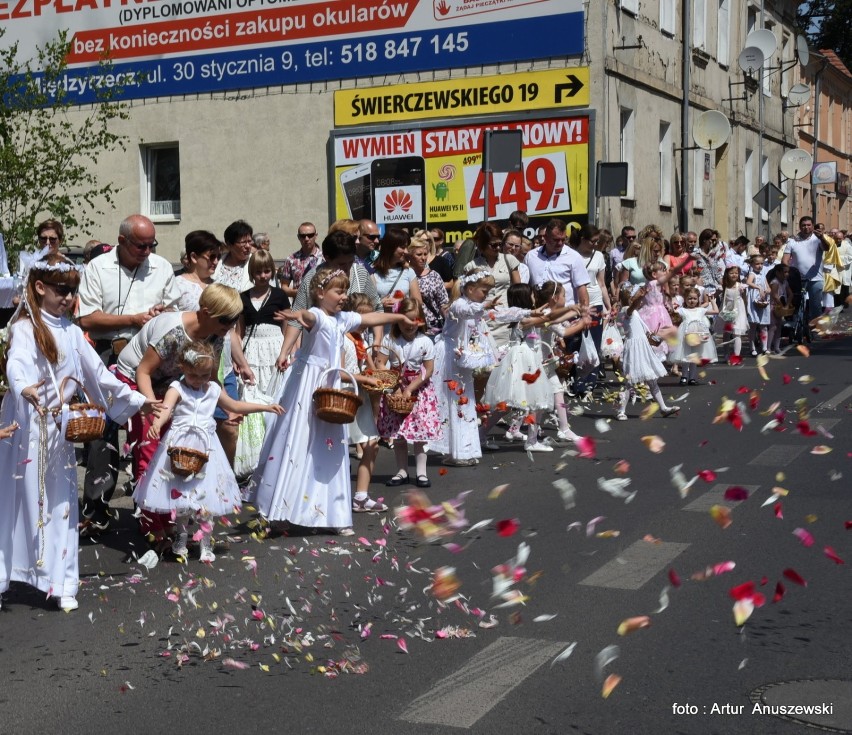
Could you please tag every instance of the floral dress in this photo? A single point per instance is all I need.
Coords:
(423, 424)
(434, 295)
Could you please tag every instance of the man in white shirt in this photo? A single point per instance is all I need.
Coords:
(804, 252)
(556, 261)
(736, 255)
(120, 291)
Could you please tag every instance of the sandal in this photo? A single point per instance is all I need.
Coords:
(368, 505)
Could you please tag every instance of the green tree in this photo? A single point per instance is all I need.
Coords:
(50, 145)
(828, 25)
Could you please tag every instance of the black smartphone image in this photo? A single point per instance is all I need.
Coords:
(357, 191)
(399, 192)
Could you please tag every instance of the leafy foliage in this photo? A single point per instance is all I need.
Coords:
(828, 25)
(49, 156)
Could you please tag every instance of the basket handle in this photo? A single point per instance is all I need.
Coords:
(188, 429)
(61, 395)
(339, 370)
(389, 349)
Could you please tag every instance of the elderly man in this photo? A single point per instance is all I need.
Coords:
(366, 247)
(556, 261)
(120, 292)
(805, 253)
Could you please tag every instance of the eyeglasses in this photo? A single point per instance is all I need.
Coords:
(306, 235)
(62, 290)
(495, 244)
(245, 243)
(227, 320)
(45, 239)
(212, 257)
(373, 237)
(630, 237)
(143, 245)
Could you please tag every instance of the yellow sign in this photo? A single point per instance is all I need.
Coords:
(536, 90)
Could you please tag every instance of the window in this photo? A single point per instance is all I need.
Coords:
(699, 24)
(748, 185)
(764, 179)
(667, 16)
(161, 182)
(723, 33)
(700, 169)
(628, 135)
(666, 164)
(765, 71)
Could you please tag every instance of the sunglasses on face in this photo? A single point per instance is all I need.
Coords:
(306, 235)
(373, 237)
(141, 246)
(43, 239)
(62, 290)
(227, 320)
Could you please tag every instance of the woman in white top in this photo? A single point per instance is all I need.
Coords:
(504, 268)
(201, 255)
(395, 281)
(584, 241)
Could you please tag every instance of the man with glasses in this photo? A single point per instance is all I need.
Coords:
(120, 291)
(555, 261)
(628, 237)
(306, 258)
(367, 246)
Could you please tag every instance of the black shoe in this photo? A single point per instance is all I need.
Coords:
(423, 481)
(400, 478)
(683, 381)
(693, 381)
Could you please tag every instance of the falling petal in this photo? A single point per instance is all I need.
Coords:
(804, 350)
(564, 654)
(543, 618)
(590, 526)
(654, 443)
(820, 449)
(831, 554)
(612, 681)
(722, 567)
(233, 664)
(721, 515)
(649, 411)
(742, 611)
(615, 487)
(707, 475)
(664, 601)
(586, 445)
(736, 494)
(742, 664)
(445, 583)
(804, 536)
(744, 591)
(622, 467)
(608, 534)
(602, 426)
(402, 645)
(674, 578)
(779, 511)
(779, 592)
(795, 577)
(477, 526)
(497, 491)
(631, 625)
(605, 657)
(567, 492)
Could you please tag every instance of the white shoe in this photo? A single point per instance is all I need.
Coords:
(179, 547)
(754, 353)
(67, 604)
(537, 447)
(207, 554)
(621, 417)
(669, 410)
(346, 531)
(491, 445)
(563, 436)
(514, 436)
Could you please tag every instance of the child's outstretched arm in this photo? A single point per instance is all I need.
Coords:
(172, 398)
(379, 318)
(243, 408)
(578, 325)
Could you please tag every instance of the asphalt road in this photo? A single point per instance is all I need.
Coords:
(316, 633)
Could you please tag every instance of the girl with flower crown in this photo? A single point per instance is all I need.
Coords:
(303, 477)
(48, 361)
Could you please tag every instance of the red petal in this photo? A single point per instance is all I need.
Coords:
(847, 525)
(795, 577)
(743, 389)
(744, 591)
(529, 419)
(735, 360)
(759, 599)
(443, 471)
(674, 578)
(779, 511)
(508, 527)
(176, 494)
(830, 553)
(586, 445)
(779, 592)
(805, 429)
(736, 493)
(707, 475)
(787, 379)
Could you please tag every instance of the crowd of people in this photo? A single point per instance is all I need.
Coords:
(453, 350)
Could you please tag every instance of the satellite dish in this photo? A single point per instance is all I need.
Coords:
(796, 163)
(751, 59)
(711, 130)
(764, 39)
(802, 51)
(798, 95)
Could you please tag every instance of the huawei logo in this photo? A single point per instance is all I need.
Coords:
(398, 201)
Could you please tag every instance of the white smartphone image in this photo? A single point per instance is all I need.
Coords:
(357, 193)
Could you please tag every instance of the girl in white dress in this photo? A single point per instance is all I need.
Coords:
(695, 345)
(732, 319)
(758, 310)
(640, 363)
(303, 476)
(462, 347)
(410, 350)
(189, 404)
(47, 355)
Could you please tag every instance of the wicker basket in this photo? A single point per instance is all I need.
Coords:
(187, 461)
(333, 405)
(387, 379)
(87, 421)
(400, 403)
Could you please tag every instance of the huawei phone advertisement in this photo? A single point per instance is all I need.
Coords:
(432, 176)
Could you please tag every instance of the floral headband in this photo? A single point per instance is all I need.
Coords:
(193, 357)
(331, 276)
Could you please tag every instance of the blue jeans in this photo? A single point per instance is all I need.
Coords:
(814, 288)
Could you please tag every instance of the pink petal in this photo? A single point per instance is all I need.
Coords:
(586, 445)
(830, 553)
(402, 645)
(804, 536)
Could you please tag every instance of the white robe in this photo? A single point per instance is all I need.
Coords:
(46, 557)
